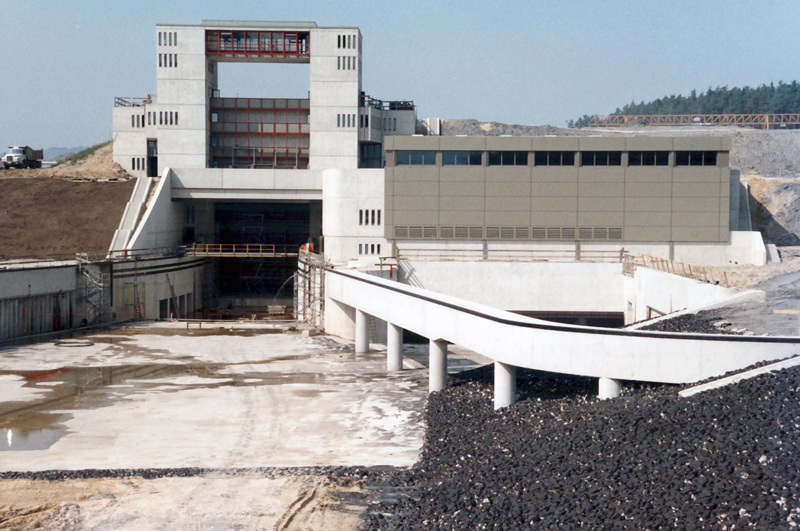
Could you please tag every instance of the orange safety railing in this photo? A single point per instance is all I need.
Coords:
(766, 121)
(254, 250)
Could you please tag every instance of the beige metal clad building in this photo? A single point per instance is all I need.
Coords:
(639, 189)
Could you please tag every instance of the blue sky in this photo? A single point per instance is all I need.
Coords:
(528, 62)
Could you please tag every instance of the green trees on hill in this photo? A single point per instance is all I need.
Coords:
(766, 99)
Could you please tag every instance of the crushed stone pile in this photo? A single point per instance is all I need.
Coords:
(562, 459)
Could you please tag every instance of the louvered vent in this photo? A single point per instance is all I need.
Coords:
(615, 233)
(462, 232)
(506, 233)
(568, 233)
(415, 233)
(538, 233)
(492, 233)
(521, 233)
(476, 233)
(447, 233)
(600, 234)
(400, 232)
(584, 233)
(429, 232)
(553, 233)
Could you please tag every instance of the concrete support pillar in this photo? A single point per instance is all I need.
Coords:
(609, 388)
(437, 366)
(505, 384)
(362, 332)
(394, 347)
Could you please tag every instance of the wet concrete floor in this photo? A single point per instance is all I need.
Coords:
(159, 395)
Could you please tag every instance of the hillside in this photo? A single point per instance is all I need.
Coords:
(67, 209)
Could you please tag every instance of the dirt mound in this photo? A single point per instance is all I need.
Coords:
(98, 166)
(45, 215)
(774, 208)
(476, 128)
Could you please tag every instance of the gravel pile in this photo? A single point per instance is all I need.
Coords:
(561, 459)
(705, 322)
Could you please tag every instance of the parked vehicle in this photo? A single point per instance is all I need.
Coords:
(22, 157)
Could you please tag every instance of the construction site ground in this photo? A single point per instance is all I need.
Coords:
(232, 426)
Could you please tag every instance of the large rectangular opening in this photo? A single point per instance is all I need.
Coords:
(269, 128)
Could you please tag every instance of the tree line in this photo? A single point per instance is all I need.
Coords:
(766, 99)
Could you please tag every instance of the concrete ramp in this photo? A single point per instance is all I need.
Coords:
(517, 341)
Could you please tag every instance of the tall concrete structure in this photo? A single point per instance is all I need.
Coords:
(346, 172)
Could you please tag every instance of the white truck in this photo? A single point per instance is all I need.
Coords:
(22, 157)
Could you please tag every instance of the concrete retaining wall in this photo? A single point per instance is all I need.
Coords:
(531, 286)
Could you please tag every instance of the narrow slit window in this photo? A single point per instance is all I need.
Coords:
(339, 45)
(379, 217)
(176, 60)
(133, 121)
(133, 164)
(379, 248)
(176, 117)
(175, 38)
(361, 217)
(360, 249)
(373, 217)
(159, 38)
(373, 249)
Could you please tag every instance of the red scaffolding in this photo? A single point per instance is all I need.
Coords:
(257, 43)
(259, 133)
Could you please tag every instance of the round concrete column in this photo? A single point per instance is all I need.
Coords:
(609, 388)
(362, 332)
(437, 366)
(394, 347)
(505, 384)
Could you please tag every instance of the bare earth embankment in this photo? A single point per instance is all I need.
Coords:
(66, 209)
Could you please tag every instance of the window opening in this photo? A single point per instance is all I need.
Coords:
(461, 158)
(379, 248)
(373, 217)
(695, 158)
(601, 158)
(554, 158)
(648, 158)
(360, 248)
(508, 158)
(379, 217)
(373, 249)
(425, 158)
(360, 217)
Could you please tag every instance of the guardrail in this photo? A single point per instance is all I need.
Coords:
(512, 255)
(703, 274)
(49, 260)
(132, 102)
(242, 250)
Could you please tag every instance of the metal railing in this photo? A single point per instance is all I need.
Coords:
(766, 121)
(33, 261)
(696, 272)
(132, 102)
(512, 255)
(243, 250)
(399, 105)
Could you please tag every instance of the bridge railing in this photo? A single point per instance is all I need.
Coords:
(254, 250)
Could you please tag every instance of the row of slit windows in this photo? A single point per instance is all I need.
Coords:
(169, 60)
(363, 120)
(137, 163)
(556, 158)
(153, 118)
(345, 120)
(345, 41)
(369, 248)
(368, 217)
(167, 38)
(346, 62)
(390, 124)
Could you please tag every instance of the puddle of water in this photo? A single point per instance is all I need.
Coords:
(32, 425)
(200, 332)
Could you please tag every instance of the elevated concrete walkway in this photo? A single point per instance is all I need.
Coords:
(515, 341)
